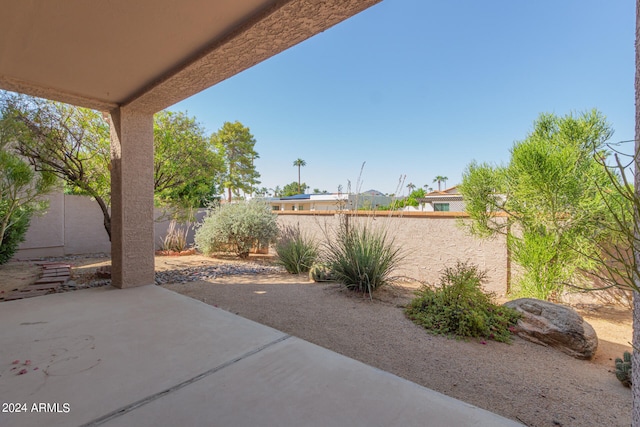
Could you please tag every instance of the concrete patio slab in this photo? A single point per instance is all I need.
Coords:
(148, 356)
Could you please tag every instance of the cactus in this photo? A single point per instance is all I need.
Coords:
(320, 273)
(623, 369)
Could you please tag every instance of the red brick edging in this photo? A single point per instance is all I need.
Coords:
(54, 275)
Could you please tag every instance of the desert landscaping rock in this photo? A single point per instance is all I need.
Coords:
(193, 274)
(179, 275)
(556, 326)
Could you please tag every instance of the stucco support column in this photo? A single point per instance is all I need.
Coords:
(132, 239)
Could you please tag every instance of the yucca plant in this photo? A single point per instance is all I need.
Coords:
(296, 251)
(362, 257)
(175, 239)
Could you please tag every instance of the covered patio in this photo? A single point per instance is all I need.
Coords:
(147, 356)
(144, 355)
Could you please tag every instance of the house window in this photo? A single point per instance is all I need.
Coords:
(441, 207)
(275, 208)
(301, 208)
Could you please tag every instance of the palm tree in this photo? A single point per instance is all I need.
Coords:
(440, 179)
(411, 186)
(299, 163)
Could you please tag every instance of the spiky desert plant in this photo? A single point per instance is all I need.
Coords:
(362, 257)
(623, 369)
(176, 238)
(296, 251)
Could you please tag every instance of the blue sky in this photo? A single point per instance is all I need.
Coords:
(421, 88)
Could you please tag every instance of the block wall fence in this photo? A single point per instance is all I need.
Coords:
(430, 240)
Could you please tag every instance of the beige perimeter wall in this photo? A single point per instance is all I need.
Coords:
(431, 240)
(73, 225)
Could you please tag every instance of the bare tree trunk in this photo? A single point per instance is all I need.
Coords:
(106, 217)
(635, 415)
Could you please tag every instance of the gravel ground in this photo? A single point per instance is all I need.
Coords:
(535, 385)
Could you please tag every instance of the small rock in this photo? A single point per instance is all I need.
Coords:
(104, 272)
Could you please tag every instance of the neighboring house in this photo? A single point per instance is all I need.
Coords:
(329, 202)
(449, 200)
(310, 202)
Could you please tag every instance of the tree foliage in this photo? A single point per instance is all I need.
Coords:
(21, 191)
(187, 169)
(73, 144)
(70, 143)
(410, 200)
(235, 143)
(440, 179)
(299, 163)
(549, 191)
(293, 188)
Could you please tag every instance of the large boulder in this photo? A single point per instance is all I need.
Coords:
(556, 326)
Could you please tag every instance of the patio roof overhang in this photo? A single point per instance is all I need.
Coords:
(148, 54)
(133, 59)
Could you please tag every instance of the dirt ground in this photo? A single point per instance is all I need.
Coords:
(535, 385)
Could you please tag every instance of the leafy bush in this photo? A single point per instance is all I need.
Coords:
(296, 251)
(459, 307)
(362, 257)
(176, 238)
(236, 228)
(14, 233)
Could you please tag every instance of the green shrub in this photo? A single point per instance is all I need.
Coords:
(296, 251)
(623, 369)
(362, 257)
(459, 307)
(14, 233)
(236, 228)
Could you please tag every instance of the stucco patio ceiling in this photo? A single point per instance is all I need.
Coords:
(148, 54)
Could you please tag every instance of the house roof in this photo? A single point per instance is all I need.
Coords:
(148, 54)
(296, 197)
(446, 192)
